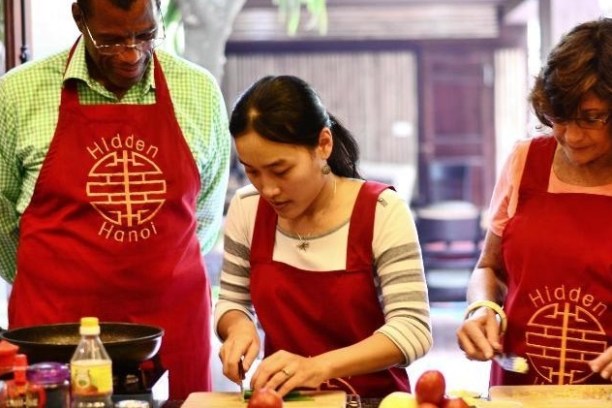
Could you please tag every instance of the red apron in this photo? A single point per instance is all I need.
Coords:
(558, 254)
(110, 231)
(309, 313)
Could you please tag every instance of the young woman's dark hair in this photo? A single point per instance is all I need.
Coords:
(285, 109)
(580, 63)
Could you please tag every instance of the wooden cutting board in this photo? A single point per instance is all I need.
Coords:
(555, 396)
(320, 399)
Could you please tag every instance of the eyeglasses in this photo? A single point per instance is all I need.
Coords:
(594, 121)
(143, 42)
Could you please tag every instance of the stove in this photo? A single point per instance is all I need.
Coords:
(146, 382)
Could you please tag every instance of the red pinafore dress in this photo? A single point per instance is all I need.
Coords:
(309, 313)
(557, 250)
(110, 231)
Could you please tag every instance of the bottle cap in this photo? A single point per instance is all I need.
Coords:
(21, 361)
(89, 326)
(19, 368)
(48, 373)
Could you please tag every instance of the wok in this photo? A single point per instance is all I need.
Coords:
(127, 344)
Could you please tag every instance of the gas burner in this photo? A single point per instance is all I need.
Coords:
(148, 382)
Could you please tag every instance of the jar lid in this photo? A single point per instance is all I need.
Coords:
(48, 373)
(132, 404)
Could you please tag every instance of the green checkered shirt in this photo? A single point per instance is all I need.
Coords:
(29, 106)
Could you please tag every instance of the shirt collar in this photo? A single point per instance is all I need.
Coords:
(77, 69)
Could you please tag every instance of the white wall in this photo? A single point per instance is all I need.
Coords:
(53, 29)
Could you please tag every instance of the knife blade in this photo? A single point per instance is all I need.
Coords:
(511, 362)
(242, 376)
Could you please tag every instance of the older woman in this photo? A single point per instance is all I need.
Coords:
(547, 257)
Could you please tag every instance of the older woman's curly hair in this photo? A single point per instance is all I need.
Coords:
(580, 63)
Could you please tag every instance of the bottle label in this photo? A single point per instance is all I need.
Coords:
(91, 377)
(23, 402)
(24, 396)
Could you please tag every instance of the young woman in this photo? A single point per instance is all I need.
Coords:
(328, 263)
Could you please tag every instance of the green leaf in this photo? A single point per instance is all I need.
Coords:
(291, 396)
(290, 12)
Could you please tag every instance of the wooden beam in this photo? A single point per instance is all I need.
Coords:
(510, 5)
(371, 22)
(546, 27)
(12, 25)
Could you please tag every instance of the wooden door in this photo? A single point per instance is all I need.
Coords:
(456, 141)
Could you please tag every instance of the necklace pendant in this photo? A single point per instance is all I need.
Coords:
(303, 245)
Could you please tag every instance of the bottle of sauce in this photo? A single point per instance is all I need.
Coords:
(20, 393)
(91, 376)
(8, 352)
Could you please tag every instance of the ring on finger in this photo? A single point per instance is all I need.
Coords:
(286, 372)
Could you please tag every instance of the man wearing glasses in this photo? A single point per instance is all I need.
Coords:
(113, 169)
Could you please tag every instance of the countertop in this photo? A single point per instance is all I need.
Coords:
(365, 403)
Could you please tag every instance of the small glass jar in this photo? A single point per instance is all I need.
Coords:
(54, 379)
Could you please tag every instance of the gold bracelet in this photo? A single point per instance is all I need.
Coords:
(491, 305)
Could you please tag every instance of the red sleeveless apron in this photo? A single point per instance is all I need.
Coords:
(110, 231)
(558, 254)
(309, 313)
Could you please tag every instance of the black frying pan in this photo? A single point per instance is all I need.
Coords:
(126, 343)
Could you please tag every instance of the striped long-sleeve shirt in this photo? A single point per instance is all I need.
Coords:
(398, 277)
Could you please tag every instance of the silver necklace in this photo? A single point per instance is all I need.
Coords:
(303, 245)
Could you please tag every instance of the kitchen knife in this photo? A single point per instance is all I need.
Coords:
(242, 377)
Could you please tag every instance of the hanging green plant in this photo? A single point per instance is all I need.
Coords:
(173, 21)
(290, 11)
(2, 24)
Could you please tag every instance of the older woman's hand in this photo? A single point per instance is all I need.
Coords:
(479, 335)
(603, 364)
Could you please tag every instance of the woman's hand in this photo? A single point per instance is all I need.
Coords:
(603, 364)
(479, 334)
(241, 347)
(284, 371)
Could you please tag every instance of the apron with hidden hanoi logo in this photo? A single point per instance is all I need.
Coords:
(310, 313)
(110, 231)
(557, 253)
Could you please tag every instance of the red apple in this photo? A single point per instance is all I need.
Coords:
(427, 405)
(430, 387)
(454, 403)
(265, 398)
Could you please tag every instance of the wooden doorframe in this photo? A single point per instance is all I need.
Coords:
(13, 30)
(475, 155)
